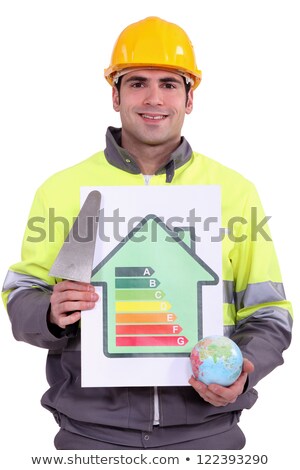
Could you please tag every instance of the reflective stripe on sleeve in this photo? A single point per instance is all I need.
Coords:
(260, 293)
(15, 282)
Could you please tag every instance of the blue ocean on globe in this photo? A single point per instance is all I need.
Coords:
(216, 359)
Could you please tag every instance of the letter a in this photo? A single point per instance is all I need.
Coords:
(146, 272)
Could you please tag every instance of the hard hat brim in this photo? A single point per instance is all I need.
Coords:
(118, 70)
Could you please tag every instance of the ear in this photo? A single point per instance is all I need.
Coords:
(115, 99)
(189, 103)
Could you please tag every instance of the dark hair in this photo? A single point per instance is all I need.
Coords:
(186, 85)
(118, 84)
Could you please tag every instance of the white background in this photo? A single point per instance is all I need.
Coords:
(55, 107)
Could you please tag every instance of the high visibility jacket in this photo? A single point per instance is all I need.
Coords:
(256, 314)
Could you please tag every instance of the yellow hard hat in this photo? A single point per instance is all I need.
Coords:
(154, 42)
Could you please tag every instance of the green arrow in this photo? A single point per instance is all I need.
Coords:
(140, 294)
(132, 271)
(136, 283)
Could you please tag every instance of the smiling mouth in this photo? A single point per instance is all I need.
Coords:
(154, 117)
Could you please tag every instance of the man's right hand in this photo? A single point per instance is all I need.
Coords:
(70, 296)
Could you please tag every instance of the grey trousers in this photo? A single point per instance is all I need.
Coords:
(233, 439)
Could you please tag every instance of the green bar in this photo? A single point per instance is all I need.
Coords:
(140, 294)
(136, 283)
(132, 271)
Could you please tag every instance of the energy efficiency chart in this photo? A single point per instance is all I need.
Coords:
(158, 273)
(149, 322)
(152, 292)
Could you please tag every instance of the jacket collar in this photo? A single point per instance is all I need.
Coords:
(120, 158)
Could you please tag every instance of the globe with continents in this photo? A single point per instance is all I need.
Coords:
(216, 359)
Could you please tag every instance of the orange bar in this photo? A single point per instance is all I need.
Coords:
(145, 317)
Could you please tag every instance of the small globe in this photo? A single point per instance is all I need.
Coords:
(216, 359)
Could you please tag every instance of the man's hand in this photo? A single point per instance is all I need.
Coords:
(221, 396)
(70, 296)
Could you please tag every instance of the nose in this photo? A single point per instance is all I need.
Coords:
(154, 95)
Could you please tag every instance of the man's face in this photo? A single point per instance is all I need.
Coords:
(152, 106)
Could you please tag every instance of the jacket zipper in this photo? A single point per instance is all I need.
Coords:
(147, 179)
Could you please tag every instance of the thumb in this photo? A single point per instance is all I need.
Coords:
(248, 366)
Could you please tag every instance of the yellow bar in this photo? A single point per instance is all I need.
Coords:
(142, 306)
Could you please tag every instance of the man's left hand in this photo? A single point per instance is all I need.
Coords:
(218, 395)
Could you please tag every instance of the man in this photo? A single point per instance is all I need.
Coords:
(153, 74)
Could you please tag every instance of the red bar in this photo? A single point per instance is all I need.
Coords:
(148, 329)
(151, 341)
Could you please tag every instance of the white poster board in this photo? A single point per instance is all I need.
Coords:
(157, 270)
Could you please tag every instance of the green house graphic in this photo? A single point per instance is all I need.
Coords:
(152, 292)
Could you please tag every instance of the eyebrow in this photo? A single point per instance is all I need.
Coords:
(139, 78)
